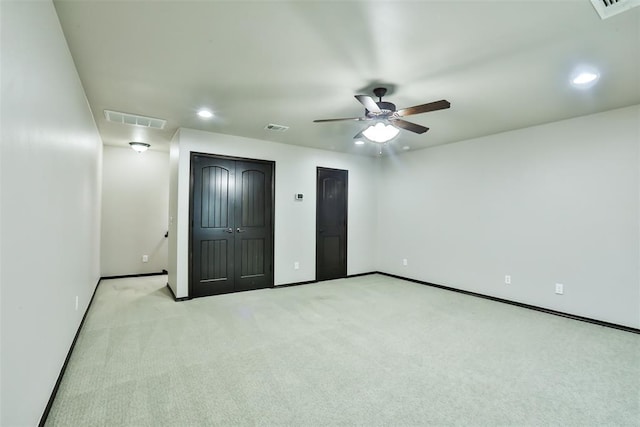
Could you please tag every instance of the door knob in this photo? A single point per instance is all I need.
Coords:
(240, 230)
(229, 230)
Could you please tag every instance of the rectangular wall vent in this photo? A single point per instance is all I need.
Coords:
(134, 120)
(608, 8)
(276, 128)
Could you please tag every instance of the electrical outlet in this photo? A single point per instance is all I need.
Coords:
(405, 262)
(145, 258)
(559, 288)
(296, 265)
(507, 279)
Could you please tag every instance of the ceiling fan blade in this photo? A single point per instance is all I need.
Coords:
(368, 103)
(412, 127)
(357, 119)
(424, 108)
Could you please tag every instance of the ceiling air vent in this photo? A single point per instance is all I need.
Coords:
(134, 120)
(276, 128)
(608, 8)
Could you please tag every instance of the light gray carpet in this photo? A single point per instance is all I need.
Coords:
(364, 351)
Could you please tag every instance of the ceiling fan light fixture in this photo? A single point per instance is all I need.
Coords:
(139, 147)
(380, 132)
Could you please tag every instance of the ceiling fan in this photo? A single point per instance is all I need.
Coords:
(387, 118)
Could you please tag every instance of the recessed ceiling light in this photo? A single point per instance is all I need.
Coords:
(359, 142)
(205, 114)
(585, 77)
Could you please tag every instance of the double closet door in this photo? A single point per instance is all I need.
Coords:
(231, 225)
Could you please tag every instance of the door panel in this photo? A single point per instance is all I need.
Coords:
(232, 228)
(253, 201)
(213, 260)
(215, 204)
(331, 224)
(254, 241)
(253, 264)
(212, 269)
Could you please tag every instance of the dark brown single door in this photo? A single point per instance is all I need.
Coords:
(232, 227)
(331, 224)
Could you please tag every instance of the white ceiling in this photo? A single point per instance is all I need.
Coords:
(502, 64)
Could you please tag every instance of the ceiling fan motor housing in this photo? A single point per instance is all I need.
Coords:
(387, 106)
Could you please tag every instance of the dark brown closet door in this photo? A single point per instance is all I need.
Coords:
(253, 243)
(331, 224)
(232, 227)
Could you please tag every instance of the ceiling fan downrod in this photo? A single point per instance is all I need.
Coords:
(379, 92)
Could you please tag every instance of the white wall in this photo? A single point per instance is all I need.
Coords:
(135, 203)
(294, 221)
(557, 203)
(50, 207)
(172, 265)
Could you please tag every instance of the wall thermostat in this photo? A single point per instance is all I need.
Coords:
(299, 196)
